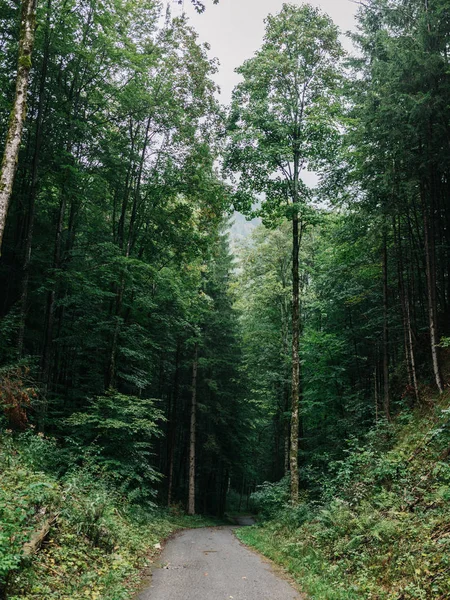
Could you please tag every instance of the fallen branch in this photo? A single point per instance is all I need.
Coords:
(32, 546)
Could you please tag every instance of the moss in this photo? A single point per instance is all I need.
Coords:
(25, 61)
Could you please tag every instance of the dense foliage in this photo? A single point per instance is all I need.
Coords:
(381, 527)
(374, 268)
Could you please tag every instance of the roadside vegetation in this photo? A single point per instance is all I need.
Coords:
(380, 529)
(67, 533)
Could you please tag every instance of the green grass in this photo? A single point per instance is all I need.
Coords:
(384, 532)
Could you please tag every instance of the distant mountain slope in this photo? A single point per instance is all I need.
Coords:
(241, 228)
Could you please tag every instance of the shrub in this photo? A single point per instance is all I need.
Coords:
(270, 498)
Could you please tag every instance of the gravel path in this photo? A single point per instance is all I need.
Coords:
(211, 564)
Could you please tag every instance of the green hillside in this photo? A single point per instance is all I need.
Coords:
(382, 528)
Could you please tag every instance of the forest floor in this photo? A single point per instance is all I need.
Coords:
(210, 563)
(385, 532)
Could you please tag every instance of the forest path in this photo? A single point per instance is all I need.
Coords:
(211, 564)
(243, 520)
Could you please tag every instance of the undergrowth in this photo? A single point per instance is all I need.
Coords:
(98, 542)
(382, 528)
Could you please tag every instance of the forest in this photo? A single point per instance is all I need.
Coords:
(159, 370)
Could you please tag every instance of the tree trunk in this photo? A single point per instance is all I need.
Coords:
(286, 389)
(375, 380)
(432, 306)
(110, 376)
(406, 313)
(34, 186)
(171, 437)
(51, 299)
(411, 351)
(15, 129)
(192, 433)
(295, 417)
(386, 395)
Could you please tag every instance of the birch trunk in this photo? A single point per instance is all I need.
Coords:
(432, 305)
(192, 435)
(15, 129)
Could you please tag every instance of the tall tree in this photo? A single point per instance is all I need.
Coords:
(17, 118)
(283, 120)
(193, 433)
(401, 148)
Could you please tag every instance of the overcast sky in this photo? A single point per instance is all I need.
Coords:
(235, 28)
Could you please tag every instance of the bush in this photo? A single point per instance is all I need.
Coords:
(270, 498)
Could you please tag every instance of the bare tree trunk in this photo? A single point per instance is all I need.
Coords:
(295, 416)
(411, 351)
(286, 436)
(51, 299)
(242, 493)
(386, 395)
(432, 308)
(286, 390)
(171, 437)
(192, 435)
(406, 313)
(15, 129)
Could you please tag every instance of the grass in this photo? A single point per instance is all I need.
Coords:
(383, 532)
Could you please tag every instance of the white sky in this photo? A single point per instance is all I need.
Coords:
(235, 29)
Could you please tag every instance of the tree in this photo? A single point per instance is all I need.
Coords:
(401, 151)
(284, 120)
(17, 118)
(117, 172)
(192, 434)
(263, 292)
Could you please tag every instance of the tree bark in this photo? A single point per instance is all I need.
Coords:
(375, 381)
(406, 313)
(295, 407)
(15, 129)
(386, 394)
(171, 437)
(33, 545)
(46, 358)
(285, 387)
(411, 351)
(192, 435)
(34, 185)
(431, 294)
